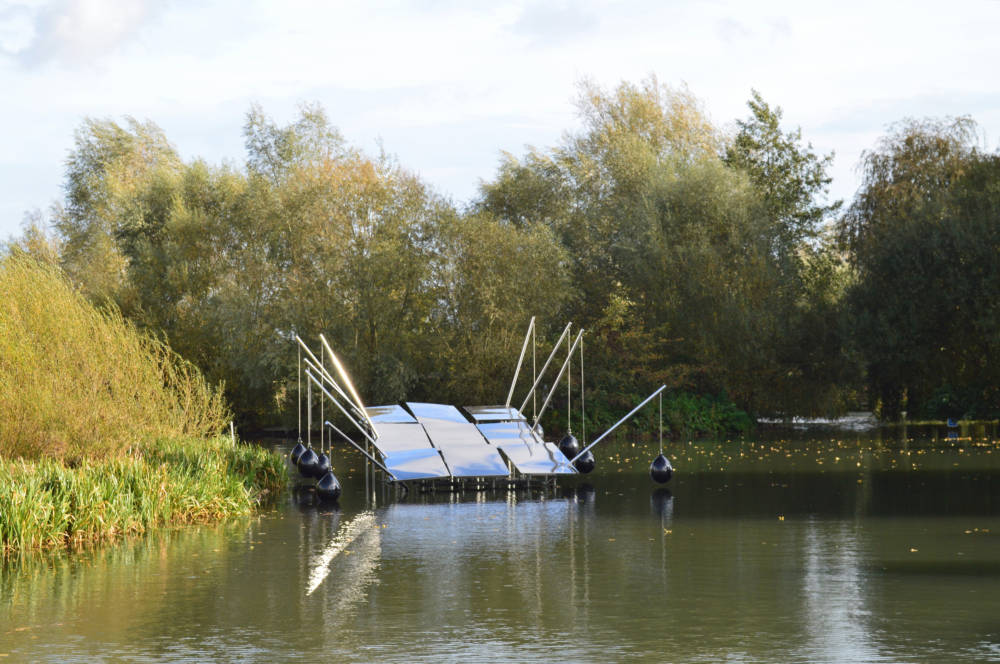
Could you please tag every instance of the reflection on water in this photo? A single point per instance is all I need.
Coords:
(840, 552)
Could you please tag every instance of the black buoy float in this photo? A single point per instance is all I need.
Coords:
(328, 487)
(569, 446)
(585, 463)
(297, 452)
(322, 466)
(308, 461)
(660, 470)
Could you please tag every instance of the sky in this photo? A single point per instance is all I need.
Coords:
(447, 86)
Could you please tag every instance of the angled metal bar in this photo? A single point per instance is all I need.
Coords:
(318, 368)
(347, 381)
(631, 413)
(362, 450)
(545, 366)
(328, 379)
(362, 429)
(555, 383)
(517, 371)
(317, 365)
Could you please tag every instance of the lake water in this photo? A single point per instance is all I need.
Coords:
(797, 546)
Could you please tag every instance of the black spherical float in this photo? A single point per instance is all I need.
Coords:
(569, 446)
(322, 466)
(308, 461)
(297, 452)
(328, 487)
(585, 463)
(660, 470)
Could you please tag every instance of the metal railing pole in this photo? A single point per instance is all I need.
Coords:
(338, 405)
(347, 381)
(555, 383)
(517, 371)
(545, 366)
(317, 364)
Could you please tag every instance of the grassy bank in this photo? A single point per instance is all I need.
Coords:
(104, 430)
(45, 504)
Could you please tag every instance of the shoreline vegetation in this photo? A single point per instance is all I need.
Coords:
(46, 504)
(105, 431)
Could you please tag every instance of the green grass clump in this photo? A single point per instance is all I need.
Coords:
(79, 383)
(167, 482)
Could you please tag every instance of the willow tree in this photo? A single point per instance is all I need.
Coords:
(923, 233)
(115, 178)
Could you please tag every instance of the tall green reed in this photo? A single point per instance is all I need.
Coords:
(165, 482)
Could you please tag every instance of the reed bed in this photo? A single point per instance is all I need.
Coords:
(105, 431)
(77, 382)
(167, 482)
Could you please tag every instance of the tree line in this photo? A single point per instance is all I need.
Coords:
(705, 258)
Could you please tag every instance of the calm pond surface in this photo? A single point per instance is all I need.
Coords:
(797, 546)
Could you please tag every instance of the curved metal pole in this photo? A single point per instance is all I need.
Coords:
(338, 405)
(583, 401)
(555, 384)
(545, 366)
(328, 379)
(347, 381)
(633, 411)
(316, 365)
(517, 371)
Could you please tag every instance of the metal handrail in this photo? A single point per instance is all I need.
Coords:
(347, 380)
(328, 379)
(319, 366)
(517, 371)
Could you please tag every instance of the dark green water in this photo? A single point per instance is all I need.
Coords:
(805, 547)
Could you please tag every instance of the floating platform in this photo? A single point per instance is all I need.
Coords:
(437, 441)
(433, 442)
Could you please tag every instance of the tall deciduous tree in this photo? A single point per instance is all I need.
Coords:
(789, 176)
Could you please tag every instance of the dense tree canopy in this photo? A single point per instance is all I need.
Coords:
(704, 259)
(703, 237)
(924, 235)
(313, 236)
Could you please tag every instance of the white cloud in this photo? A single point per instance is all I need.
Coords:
(17, 28)
(76, 32)
(449, 84)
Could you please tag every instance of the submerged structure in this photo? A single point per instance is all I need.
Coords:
(430, 442)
